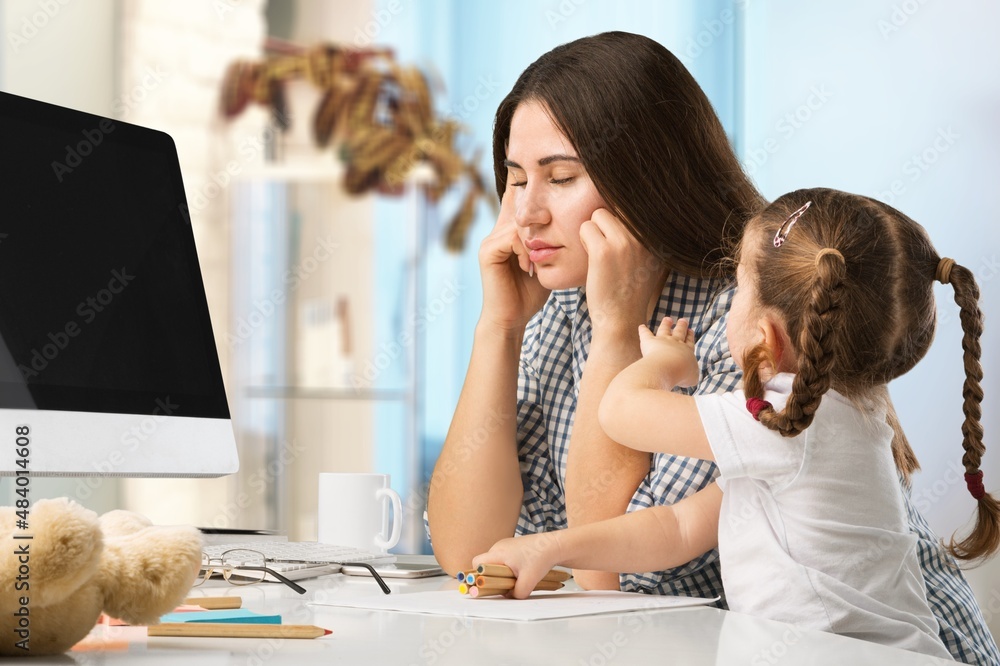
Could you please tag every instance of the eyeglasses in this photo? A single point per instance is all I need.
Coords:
(247, 567)
(241, 567)
(371, 570)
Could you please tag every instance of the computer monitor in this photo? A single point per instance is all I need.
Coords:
(108, 364)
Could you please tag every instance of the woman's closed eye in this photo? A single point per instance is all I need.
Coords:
(553, 181)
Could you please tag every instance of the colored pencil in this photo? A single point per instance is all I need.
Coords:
(476, 592)
(220, 630)
(503, 571)
(498, 583)
(215, 603)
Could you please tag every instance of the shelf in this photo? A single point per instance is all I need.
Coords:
(297, 392)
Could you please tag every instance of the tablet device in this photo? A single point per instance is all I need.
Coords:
(406, 566)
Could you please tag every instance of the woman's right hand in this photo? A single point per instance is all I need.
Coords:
(510, 296)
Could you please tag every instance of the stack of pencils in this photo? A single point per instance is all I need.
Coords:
(488, 580)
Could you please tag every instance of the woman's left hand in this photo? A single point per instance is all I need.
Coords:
(622, 275)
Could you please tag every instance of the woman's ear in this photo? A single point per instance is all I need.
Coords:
(774, 338)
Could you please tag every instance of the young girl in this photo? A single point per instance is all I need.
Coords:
(834, 300)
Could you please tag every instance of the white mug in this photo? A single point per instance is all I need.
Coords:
(354, 511)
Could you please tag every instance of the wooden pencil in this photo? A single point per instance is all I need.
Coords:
(503, 571)
(506, 584)
(215, 603)
(498, 583)
(226, 630)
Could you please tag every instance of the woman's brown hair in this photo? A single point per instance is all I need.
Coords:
(649, 139)
(853, 285)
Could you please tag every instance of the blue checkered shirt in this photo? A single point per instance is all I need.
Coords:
(556, 344)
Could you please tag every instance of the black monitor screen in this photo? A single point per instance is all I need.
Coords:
(102, 305)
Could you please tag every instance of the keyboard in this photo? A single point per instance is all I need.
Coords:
(304, 552)
(298, 570)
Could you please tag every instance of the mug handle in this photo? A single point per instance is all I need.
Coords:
(397, 518)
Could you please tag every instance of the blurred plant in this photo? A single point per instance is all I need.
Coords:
(378, 115)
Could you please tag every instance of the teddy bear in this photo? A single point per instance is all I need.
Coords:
(59, 574)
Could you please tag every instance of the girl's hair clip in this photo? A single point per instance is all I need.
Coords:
(787, 225)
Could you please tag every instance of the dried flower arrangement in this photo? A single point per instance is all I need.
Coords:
(378, 114)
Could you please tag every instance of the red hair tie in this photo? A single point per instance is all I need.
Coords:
(754, 405)
(974, 482)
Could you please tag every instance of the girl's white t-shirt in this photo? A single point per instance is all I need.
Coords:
(813, 531)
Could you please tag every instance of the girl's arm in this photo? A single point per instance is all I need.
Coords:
(652, 539)
(640, 410)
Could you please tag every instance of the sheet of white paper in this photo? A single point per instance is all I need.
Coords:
(539, 606)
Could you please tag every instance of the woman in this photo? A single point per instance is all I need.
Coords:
(618, 191)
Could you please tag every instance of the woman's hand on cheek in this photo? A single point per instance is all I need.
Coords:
(510, 296)
(530, 557)
(622, 275)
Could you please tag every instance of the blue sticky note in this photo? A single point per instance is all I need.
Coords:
(234, 616)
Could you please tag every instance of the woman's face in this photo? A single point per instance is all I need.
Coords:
(553, 196)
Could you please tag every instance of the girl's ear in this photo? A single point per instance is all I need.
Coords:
(774, 338)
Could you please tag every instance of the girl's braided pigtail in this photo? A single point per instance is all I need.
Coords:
(821, 325)
(985, 536)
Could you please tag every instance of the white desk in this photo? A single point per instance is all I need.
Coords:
(687, 637)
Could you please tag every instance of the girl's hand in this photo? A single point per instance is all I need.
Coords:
(622, 275)
(672, 350)
(510, 296)
(530, 557)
